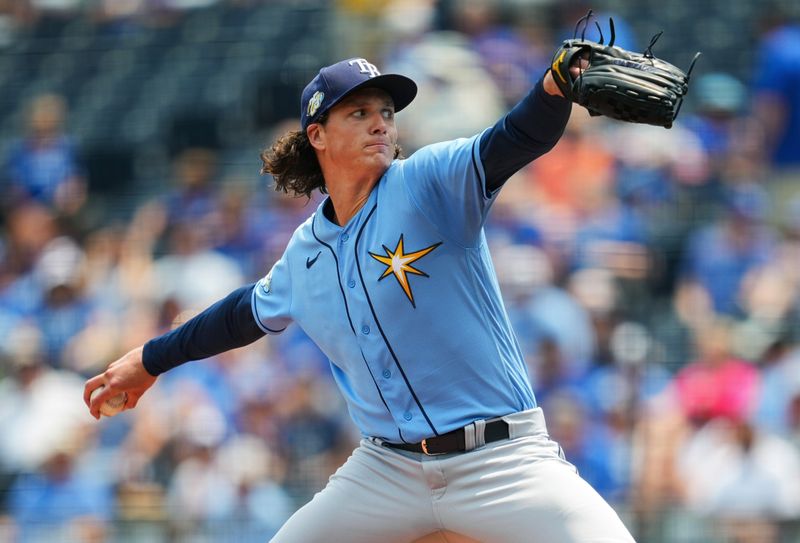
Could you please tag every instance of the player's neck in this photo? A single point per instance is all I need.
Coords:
(345, 207)
(348, 197)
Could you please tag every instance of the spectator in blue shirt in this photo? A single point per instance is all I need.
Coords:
(776, 94)
(719, 257)
(43, 166)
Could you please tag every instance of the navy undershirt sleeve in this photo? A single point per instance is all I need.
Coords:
(227, 324)
(527, 132)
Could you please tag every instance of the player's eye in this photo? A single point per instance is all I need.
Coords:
(388, 113)
(359, 113)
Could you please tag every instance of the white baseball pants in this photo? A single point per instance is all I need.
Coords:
(518, 490)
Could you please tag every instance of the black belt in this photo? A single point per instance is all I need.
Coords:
(453, 441)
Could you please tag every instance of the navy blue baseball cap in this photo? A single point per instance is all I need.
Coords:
(336, 81)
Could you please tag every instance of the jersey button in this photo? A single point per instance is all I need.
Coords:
(386, 374)
(407, 415)
(345, 237)
(351, 283)
(365, 329)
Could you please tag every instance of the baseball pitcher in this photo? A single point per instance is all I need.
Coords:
(392, 278)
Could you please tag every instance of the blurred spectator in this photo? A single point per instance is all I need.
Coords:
(776, 95)
(451, 81)
(315, 440)
(263, 504)
(12, 14)
(119, 262)
(780, 386)
(44, 165)
(619, 390)
(513, 60)
(767, 298)
(788, 256)
(662, 180)
(29, 227)
(730, 469)
(731, 139)
(201, 496)
(44, 440)
(657, 487)
(40, 408)
(51, 295)
(192, 274)
(558, 181)
(192, 200)
(61, 501)
(720, 100)
(617, 393)
(551, 374)
(611, 236)
(676, 463)
(717, 384)
(541, 312)
(64, 309)
(671, 322)
(588, 445)
(229, 490)
(238, 234)
(720, 256)
(663, 174)
(597, 290)
(245, 217)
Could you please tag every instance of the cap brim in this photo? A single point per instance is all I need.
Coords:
(401, 88)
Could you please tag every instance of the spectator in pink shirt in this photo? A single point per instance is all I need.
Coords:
(717, 384)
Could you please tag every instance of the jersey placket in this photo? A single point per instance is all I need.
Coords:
(402, 401)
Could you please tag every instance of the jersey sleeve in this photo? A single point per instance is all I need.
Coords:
(446, 182)
(272, 298)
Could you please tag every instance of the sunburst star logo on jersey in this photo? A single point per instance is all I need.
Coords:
(398, 263)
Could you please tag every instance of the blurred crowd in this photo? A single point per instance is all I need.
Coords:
(652, 276)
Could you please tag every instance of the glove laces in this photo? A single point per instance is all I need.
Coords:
(648, 53)
(585, 21)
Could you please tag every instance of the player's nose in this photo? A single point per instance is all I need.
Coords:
(378, 124)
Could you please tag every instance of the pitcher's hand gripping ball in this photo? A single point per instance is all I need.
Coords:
(621, 84)
(112, 406)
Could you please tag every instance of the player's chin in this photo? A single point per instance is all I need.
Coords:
(379, 156)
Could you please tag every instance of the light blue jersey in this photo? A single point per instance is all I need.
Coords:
(404, 300)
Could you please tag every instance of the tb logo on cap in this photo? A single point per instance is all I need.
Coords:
(365, 67)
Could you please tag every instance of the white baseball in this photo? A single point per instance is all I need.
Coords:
(113, 405)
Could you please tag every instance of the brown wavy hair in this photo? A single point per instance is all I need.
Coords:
(293, 163)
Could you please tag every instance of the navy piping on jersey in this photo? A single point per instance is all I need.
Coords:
(380, 328)
(486, 191)
(349, 319)
(338, 276)
(258, 318)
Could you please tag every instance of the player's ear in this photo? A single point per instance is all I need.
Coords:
(316, 135)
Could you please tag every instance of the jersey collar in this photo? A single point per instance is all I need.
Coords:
(327, 229)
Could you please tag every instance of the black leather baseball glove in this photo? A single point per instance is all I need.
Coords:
(621, 84)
